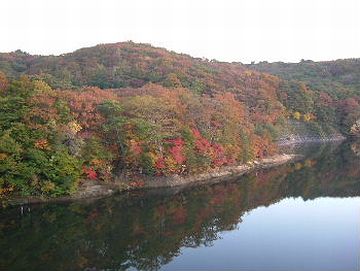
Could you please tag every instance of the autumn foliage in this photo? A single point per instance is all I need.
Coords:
(133, 110)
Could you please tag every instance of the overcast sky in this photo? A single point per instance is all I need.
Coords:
(227, 30)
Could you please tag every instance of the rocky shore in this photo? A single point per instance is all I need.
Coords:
(296, 139)
(299, 132)
(89, 190)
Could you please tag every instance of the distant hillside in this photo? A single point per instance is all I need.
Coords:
(124, 65)
(334, 87)
(339, 78)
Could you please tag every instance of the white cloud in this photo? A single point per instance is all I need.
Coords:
(229, 30)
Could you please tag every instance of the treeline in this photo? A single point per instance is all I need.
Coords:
(50, 140)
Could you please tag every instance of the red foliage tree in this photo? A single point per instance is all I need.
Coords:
(177, 151)
(90, 173)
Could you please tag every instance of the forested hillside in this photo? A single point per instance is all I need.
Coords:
(335, 85)
(134, 109)
(339, 79)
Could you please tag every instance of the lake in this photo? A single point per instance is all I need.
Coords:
(304, 215)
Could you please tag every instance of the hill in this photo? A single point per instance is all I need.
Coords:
(132, 109)
(325, 91)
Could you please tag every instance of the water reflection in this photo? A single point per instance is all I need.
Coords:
(146, 231)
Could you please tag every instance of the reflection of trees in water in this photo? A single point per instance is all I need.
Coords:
(147, 230)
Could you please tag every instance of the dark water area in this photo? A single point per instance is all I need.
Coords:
(304, 215)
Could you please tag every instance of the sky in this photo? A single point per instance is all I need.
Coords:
(225, 30)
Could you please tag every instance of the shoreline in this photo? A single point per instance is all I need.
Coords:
(297, 140)
(91, 190)
(213, 175)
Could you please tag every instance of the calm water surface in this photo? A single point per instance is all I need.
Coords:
(300, 216)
